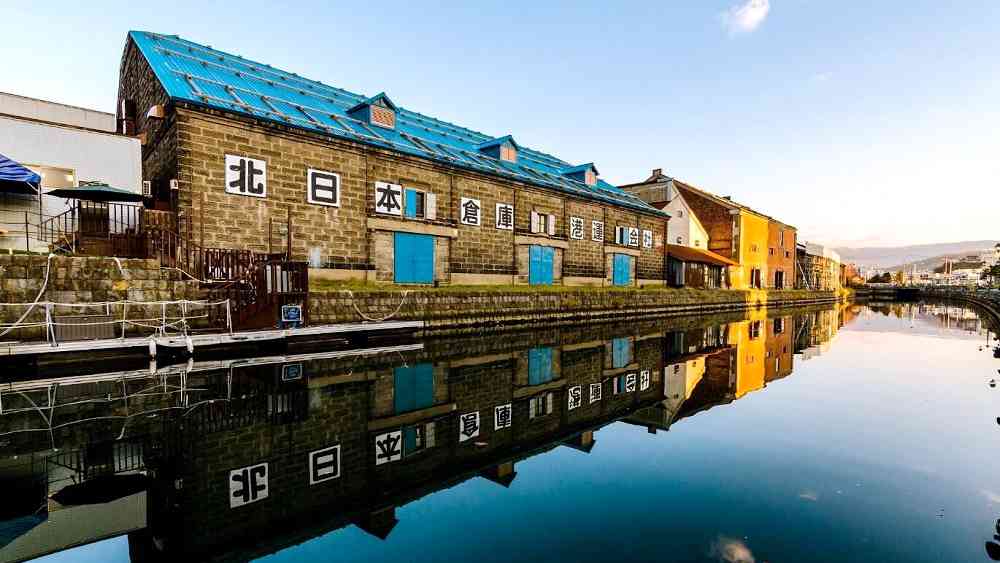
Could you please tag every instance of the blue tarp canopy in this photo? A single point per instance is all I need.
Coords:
(17, 179)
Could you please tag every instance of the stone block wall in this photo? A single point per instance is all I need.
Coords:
(453, 310)
(85, 280)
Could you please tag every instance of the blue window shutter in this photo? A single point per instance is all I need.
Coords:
(411, 203)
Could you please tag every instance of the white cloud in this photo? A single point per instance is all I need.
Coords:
(746, 17)
(822, 77)
(991, 496)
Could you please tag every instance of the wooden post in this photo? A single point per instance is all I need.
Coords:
(201, 221)
(288, 250)
(270, 224)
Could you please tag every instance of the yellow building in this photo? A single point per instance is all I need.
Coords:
(749, 339)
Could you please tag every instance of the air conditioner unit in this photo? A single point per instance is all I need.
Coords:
(174, 185)
(147, 188)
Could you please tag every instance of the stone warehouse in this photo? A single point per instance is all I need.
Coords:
(251, 157)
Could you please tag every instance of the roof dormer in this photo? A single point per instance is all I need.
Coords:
(377, 110)
(503, 148)
(586, 173)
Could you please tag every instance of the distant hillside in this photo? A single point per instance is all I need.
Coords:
(926, 256)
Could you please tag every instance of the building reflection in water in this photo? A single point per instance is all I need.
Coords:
(193, 460)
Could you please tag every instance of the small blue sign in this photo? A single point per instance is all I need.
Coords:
(291, 313)
(291, 372)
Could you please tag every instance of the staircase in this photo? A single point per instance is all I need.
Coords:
(256, 284)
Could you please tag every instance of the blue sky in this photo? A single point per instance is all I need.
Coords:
(859, 122)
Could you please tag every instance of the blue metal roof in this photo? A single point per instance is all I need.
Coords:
(200, 75)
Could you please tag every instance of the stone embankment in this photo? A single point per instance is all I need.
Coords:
(461, 309)
(74, 280)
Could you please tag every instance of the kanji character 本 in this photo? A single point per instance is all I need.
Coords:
(575, 398)
(388, 447)
(468, 426)
(576, 228)
(595, 392)
(502, 417)
(597, 231)
(242, 176)
(470, 209)
(247, 485)
(505, 216)
(387, 198)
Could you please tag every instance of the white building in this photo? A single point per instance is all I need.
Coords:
(64, 144)
(684, 228)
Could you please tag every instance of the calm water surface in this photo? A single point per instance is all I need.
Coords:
(850, 434)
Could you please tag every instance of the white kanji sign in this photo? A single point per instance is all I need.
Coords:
(597, 231)
(324, 465)
(468, 426)
(576, 228)
(470, 211)
(647, 239)
(323, 188)
(575, 397)
(502, 416)
(388, 198)
(644, 380)
(246, 176)
(389, 447)
(633, 236)
(595, 392)
(630, 382)
(247, 485)
(505, 216)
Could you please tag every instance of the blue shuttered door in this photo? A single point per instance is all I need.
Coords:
(413, 387)
(540, 260)
(622, 273)
(539, 366)
(621, 352)
(414, 258)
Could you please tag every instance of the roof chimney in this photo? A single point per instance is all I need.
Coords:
(657, 172)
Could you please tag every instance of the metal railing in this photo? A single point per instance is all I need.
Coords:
(91, 321)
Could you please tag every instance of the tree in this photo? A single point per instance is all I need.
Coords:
(881, 278)
(992, 274)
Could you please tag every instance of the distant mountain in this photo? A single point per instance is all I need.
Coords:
(926, 256)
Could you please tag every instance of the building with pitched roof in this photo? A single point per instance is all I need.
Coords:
(762, 247)
(251, 157)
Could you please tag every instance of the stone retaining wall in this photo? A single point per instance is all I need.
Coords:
(76, 279)
(457, 311)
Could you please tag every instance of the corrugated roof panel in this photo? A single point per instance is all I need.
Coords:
(202, 75)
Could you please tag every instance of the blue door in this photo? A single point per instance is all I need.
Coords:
(622, 272)
(414, 258)
(413, 387)
(539, 366)
(540, 259)
(621, 352)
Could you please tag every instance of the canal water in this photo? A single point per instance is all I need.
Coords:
(854, 433)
